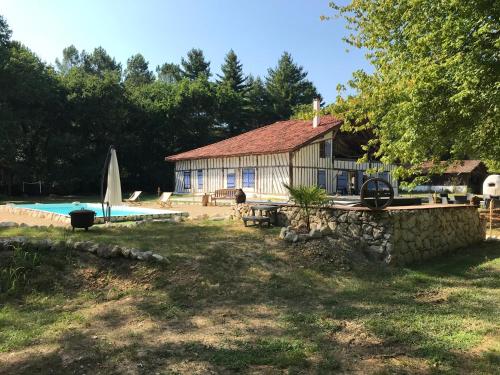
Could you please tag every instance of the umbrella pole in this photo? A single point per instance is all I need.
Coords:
(104, 176)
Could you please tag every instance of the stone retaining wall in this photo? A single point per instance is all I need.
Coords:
(395, 236)
(99, 249)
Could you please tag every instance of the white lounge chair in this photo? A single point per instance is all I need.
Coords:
(164, 199)
(134, 198)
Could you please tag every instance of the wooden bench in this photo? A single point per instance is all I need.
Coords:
(257, 220)
(266, 214)
(223, 194)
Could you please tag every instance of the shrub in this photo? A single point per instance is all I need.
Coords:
(305, 197)
(16, 272)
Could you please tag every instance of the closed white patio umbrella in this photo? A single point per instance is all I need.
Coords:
(111, 173)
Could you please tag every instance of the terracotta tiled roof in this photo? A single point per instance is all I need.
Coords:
(282, 136)
(456, 167)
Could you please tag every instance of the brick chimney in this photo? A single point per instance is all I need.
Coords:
(316, 109)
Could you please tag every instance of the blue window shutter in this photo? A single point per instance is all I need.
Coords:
(231, 180)
(187, 180)
(200, 179)
(248, 177)
(322, 178)
(342, 182)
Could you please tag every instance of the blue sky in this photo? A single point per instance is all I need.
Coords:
(164, 30)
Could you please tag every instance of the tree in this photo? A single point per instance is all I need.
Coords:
(434, 91)
(31, 115)
(232, 110)
(169, 73)
(71, 58)
(306, 197)
(98, 110)
(232, 73)
(232, 103)
(260, 110)
(137, 72)
(5, 32)
(99, 62)
(288, 86)
(195, 65)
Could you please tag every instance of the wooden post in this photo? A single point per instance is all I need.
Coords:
(491, 217)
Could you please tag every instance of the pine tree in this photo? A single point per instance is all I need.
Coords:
(99, 62)
(71, 58)
(232, 70)
(288, 86)
(5, 32)
(231, 86)
(195, 65)
(137, 72)
(169, 72)
(260, 111)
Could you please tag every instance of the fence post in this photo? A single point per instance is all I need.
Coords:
(491, 217)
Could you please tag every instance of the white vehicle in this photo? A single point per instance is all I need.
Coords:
(491, 186)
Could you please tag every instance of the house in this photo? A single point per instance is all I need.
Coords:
(261, 161)
(460, 176)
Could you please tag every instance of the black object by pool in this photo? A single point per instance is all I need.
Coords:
(82, 219)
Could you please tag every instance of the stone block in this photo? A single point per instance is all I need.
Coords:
(325, 230)
(355, 230)
(291, 237)
(315, 233)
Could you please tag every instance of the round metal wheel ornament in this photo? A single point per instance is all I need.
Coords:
(377, 193)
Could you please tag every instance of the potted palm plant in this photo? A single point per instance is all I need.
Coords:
(306, 197)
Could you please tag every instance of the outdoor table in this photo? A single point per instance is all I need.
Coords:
(266, 214)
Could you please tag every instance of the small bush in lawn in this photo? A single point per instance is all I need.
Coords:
(15, 274)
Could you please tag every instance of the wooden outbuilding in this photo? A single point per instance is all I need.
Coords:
(460, 176)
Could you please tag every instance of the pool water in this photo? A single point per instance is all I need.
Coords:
(66, 208)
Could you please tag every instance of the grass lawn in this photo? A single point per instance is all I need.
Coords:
(236, 300)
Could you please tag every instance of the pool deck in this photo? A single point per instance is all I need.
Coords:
(28, 220)
(193, 210)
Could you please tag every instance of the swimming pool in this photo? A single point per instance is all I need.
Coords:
(118, 213)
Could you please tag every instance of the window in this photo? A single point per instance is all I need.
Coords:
(200, 179)
(231, 179)
(187, 180)
(248, 177)
(384, 175)
(325, 149)
(322, 178)
(342, 183)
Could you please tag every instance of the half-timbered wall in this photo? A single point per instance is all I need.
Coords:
(273, 170)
